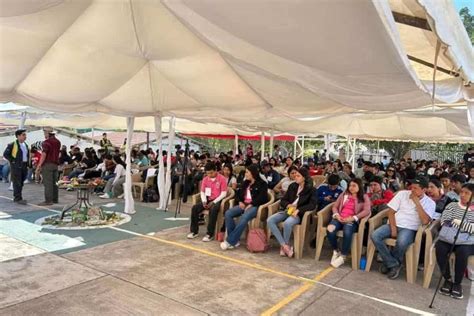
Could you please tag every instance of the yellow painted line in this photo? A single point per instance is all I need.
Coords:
(296, 293)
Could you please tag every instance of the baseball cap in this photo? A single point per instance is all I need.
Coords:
(420, 180)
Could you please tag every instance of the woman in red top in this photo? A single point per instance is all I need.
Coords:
(348, 210)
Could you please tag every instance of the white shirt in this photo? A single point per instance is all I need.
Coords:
(406, 214)
(24, 151)
(119, 172)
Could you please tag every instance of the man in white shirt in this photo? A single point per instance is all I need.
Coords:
(408, 210)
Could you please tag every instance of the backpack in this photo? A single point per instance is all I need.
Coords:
(150, 196)
(257, 240)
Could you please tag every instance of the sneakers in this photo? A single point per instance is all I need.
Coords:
(383, 269)
(335, 255)
(446, 288)
(394, 273)
(225, 245)
(26, 182)
(207, 238)
(339, 261)
(456, 292)
(22, 202)
(192, 235)
(105, 196)
(45, 203)
(120, 196)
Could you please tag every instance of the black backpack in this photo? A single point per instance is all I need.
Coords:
(150, 196)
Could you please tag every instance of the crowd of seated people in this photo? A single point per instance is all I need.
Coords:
(415, 193)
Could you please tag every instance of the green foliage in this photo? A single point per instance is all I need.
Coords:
(468, 21)
(397, 150)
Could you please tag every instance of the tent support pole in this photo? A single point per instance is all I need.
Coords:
(236, 145)
(470, 116)
(171, 134)
(272, 136)
(129, 202)
(294, 150)
(22, 120)
(262, 150)
(354, 148)
(378, 151)
(302, 149)
(161, 165)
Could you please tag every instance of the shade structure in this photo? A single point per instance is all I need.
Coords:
(196, 59)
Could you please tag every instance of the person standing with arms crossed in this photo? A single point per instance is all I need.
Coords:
(18, 154)
(48, 166)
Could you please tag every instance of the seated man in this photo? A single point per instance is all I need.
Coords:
(213, 191)
(271, 176)
(328, 193)
(378, 196)
(456, 183)
(408, 210)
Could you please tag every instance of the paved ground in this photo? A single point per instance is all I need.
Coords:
(148, 267)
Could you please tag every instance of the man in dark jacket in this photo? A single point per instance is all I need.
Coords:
(18, 154)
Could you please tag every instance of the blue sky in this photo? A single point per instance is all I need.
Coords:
(459, 4)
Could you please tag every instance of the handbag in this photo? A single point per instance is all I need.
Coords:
(448, 232)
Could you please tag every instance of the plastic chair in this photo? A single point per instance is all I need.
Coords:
(301, 232)
(260, 220)
(430, 255)
(318, 180)
(141, 186)
(324, 217)
(226, 203)
(412, 254)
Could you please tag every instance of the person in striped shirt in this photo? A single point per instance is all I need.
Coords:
(464, 247)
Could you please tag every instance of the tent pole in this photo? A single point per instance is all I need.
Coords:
(302, 149)
(294, 150)
(129, 202)
(236, 145)
(147, 140)
(262, 150)
(354, 148)
(378, 151)
(272, 136)
(161, 165)
(171, 134)
(348, 150)
(470, 116)
(22, 120)
(92, 136)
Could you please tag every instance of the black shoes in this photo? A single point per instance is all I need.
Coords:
(383, 269)
(456, 292)
(22, 202)
(446, 288)
(394, 273)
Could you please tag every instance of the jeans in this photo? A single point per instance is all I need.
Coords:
(211, 225)
(234, 232)
(392, 258)
(5, 172)
(462, 255)
(348, 229)
(289, 222)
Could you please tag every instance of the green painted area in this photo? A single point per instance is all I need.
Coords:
(21, 226)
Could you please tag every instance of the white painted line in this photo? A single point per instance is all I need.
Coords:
(173, 219)
(470, 304)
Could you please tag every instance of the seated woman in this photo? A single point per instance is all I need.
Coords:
(391, 180)
(228, 173)
(348, 210)
(299, 199)
(252, 194)
(464, 247)
(87, 162)
(435, 192)
(282, 186)
(114, 187)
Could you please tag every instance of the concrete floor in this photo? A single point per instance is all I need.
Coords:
(148, 267)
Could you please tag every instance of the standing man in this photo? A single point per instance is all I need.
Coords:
(48, 166)
(105, 143)
(18, 154)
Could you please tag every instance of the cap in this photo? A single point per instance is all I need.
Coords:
(420, 180)
(49, 130)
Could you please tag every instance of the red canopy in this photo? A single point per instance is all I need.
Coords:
(288, 138)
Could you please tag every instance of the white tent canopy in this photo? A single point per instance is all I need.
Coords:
(198, 60)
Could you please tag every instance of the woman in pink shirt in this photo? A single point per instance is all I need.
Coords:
(348, 210)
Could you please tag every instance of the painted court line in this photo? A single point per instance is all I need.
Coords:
(287, 300)
(260, 267)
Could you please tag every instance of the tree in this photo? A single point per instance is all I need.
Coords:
(396, 150)
(468, 21)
